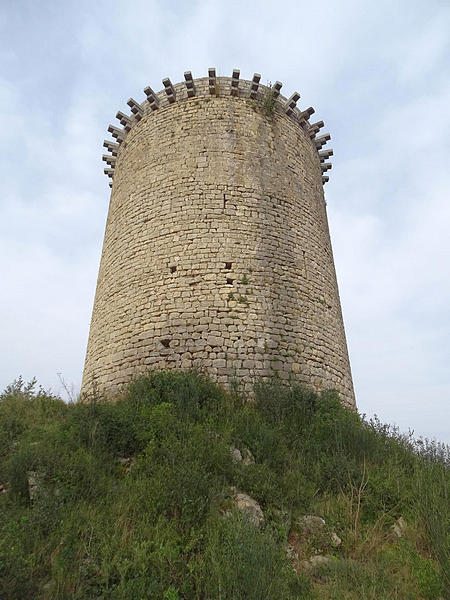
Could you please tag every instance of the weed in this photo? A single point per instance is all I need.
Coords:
(269, 101)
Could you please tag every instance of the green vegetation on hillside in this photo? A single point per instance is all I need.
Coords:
(135, 499)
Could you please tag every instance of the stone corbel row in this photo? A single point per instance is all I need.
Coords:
(319, 142)
(137, 112)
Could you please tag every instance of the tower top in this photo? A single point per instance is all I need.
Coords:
(268, 97)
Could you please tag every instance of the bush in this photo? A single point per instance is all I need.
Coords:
(127, 499)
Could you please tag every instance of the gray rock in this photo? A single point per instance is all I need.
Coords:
(32, 477)
(248, 458)
(335, 540)
(235, 454)
(316, 561)
(310, 523)
(399, 527)
(250, 507)
(291, 553)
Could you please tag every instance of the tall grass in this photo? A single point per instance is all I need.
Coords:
(133, 498)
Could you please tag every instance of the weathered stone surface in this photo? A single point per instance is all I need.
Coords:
(249, 506)
(236, 455)
(335, 540)
(316, 561)
(248, 458)
(33, 484)
(399, 527)
(217, 218)
(310, 524)
(310, 535)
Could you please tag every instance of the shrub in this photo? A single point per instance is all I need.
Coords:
(127, 498)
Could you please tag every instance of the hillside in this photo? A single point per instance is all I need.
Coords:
(178, 490)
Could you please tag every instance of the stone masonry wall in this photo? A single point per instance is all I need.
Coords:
(217, 253)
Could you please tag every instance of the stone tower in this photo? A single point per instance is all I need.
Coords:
(217, 253)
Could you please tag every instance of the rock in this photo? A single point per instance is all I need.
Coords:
(313, 530)
(310, 524)
(250, 507)
(316, 561)
(291, 553)
(32, 484)
(2, 489)
(236, 455)
(248, 458)
(399, 527)
(335, 540)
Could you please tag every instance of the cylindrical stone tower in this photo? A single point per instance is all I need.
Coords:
(217, 253)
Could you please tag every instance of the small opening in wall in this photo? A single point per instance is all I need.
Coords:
(173, 269)
(228, 266)
(229, 281)
(165, 343)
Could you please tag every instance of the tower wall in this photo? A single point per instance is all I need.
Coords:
(217, 253)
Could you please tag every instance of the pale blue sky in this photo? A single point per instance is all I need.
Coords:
(378, 74)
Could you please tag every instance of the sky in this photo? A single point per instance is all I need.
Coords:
(377, 73)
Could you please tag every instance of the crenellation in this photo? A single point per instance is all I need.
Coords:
(291, 104)
(212, 80)
(304, 115)
(314, 128)
(255, 85)
(169, 89)
(136, 109)
(125, 120)
(118, 134)
(190, 86)
(324, 154)
(109, 159)
(276, 88)
(152, 99)
(234, 89)
(320, 141)
(111, 146)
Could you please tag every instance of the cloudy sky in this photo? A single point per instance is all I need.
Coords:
(378, 74)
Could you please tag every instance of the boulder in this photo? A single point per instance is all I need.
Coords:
(236, 455)
(310, 524)
(248, 506)
(248, 458)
